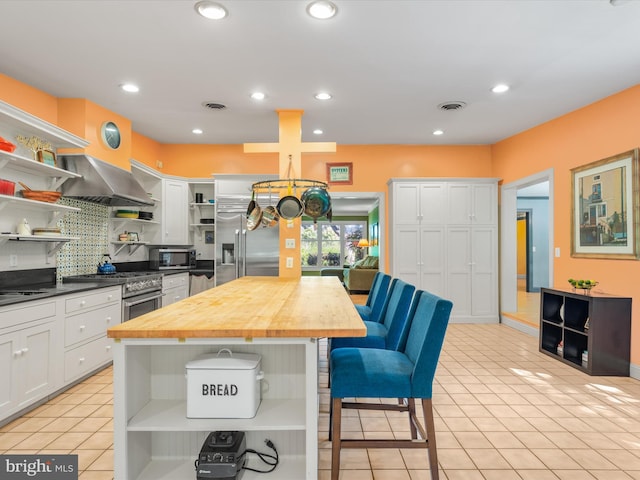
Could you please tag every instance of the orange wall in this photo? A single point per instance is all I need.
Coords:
(600, 130)
(32, 100)
(521, 238)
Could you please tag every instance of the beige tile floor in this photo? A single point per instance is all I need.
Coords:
(503, 411)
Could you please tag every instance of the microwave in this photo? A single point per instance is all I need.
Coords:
(172, 258)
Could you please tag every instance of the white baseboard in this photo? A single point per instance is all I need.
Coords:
(528, 329)
(634, 371)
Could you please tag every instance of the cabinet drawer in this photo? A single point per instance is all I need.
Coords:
(173, 281)
(87, 357)
(26, 312)
(89, 300)
(83, 326)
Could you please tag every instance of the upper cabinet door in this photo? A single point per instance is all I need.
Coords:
(175, 213)
(419, 202)
(432, 203)
(472, 204)
(406, 203)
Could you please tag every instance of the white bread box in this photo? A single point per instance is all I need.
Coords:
(224, 385)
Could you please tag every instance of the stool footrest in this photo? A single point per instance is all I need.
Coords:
(381, 443)
(375, 406)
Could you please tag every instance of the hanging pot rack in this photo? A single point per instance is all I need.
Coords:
(266, 185)
(286, 183)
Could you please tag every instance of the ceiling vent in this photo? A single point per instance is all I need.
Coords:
(447, 106)
(214, 105)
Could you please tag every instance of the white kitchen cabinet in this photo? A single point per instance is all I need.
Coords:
(87, 316)
(472, 203)
(48, 344)
(174, 288)
(175, 207)
(29, 336)
(444, 240)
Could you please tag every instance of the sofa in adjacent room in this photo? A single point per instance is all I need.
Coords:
(359, 276)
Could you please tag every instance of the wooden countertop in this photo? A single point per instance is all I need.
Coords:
(254, 307)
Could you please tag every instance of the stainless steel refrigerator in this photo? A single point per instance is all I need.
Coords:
(240, 252)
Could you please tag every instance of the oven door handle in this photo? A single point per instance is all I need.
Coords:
(146, 299)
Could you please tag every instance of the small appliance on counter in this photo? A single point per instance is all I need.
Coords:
(172, 258)
(222, 456)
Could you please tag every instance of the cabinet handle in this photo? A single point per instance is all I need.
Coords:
(82, 328)
(108, 347)
(83, 303)
(108, 319)
(25, 350)
(81, 359)
(109, 297)
(17, 353)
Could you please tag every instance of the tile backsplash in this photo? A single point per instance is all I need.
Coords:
(91, 226)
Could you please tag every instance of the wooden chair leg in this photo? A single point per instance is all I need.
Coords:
(335, 438)
(427, 408)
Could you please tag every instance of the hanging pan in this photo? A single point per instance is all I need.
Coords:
(255, 217)
(252, 203)
(270, 215)
(317, 202)
(290, 206)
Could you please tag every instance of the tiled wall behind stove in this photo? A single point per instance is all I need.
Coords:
(91, 226)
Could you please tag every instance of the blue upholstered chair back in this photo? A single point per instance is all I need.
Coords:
(378, 295)
(396, 313)
(429, 318)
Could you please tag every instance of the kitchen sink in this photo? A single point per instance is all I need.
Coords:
(21, 292)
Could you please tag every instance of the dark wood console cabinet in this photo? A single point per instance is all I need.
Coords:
(597, 324)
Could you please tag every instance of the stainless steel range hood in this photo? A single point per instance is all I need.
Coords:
(101, 182)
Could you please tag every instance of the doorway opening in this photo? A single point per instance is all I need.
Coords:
(526, 246)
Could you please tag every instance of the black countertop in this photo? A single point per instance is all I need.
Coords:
(47, 291)
(42, 282)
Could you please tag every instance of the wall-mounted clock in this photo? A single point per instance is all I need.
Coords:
(110, 134)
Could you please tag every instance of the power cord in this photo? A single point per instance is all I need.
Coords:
(271, 460)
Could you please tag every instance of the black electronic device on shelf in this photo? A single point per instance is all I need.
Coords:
(222, 456)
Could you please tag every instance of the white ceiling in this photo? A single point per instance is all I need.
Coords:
(388, 64)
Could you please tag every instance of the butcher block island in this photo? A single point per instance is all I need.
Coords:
(279, 319)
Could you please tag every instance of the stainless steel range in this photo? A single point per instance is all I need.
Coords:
(141, 291)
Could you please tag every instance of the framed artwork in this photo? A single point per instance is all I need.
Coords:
(47, 157)
(208, 237)
(374, 235)
(604, 213)
(340, 173)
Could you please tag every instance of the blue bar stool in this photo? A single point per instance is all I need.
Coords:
(388, 332)
(380, 373)
(373, 309)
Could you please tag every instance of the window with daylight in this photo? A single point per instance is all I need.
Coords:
(331, 244)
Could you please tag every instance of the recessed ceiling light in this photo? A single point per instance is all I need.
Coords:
(211, 10)
(197, 131)
(500, 88)
(130, 87)
(323, 96)
(438, 132)
(317, 131)
(258, 95)
(322, 9)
